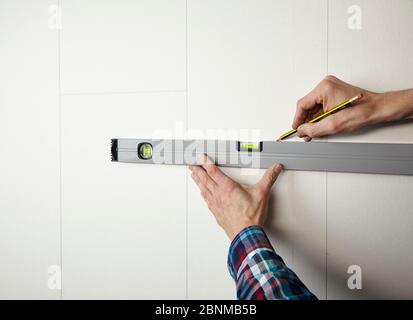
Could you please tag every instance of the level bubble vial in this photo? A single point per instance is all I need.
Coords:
(145, 151)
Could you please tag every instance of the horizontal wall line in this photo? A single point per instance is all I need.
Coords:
(121, 92)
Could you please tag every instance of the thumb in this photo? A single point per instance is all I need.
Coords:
(270, 176)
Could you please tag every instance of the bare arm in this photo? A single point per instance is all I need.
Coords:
(374, 108)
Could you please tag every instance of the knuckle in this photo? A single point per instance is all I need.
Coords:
(229, 187)
(310, 133)
(213, 169)
(328, 84)
(273, 174)
(305, 130)
(270, 177)
(330, 77)
(203, 177)
(208, 168)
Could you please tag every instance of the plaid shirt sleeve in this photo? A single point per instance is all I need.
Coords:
(259, 272)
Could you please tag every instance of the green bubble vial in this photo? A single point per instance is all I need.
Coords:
(145, 151)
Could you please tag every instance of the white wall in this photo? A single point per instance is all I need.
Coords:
(29, 150)
(144, 68)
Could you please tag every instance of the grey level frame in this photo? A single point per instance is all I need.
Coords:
(379, 158)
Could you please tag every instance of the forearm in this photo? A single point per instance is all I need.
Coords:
(394, 105)
(259, 272)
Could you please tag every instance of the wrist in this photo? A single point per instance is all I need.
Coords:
(394, 105)
(234, 230)
(406, 103)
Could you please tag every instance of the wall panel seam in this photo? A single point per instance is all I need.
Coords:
(186, 171)
(59, 35)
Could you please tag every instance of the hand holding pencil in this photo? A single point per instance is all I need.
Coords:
(329, 103)
(341, 106)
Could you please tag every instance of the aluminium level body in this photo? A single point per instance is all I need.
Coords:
(382, 158)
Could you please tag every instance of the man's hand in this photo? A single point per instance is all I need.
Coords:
(373, 108)
(235, 206)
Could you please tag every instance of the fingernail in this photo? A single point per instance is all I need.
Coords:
(278, 166)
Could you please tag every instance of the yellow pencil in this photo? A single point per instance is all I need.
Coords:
(325, 114)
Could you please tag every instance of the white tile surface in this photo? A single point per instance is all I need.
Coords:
(380, 58)
(297, 223)
(123, 46)
(248, 63)
(370, 225)
(123, 224)
(370, 216)
(29, 169)
(208, 276)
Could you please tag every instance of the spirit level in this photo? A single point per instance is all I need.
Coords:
(383, 158)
